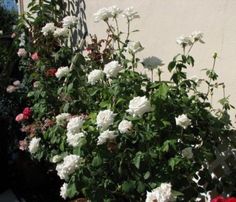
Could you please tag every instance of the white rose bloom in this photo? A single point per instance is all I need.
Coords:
(105, 118)
(114, 11)
(94, 76)
(56, 159)
(112, 69)
(102, 14)
(48, 28)
(125, 126)
(21, 52)
(62, 118)
(184, 40)
(63, 191)
(62, 72)
(11, 89)
(160, 194)
(105, 136)
(75, 124)
(16, 83)
(134, 47)
(138, 106)
(183, 121)
(61, 32)
(74, 139)
(69, 21)
(197, 36)
(187, 153)
(34, 145)
(152, 62)
(36, 84)
(68, 166)
(130, 13)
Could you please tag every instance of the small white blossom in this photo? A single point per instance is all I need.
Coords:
(102, 14)
(114, 11)
(152, 62)
(125, 126)
(130, 13)
(105, 118)
(187, 153)
(197, 36)
(112, 69)
(63, 191)
(68, 166)
(134, 47)
(160, 194)
(183, 121)
(62, 118)
(75, 124)
(138, 106)
(62, 72)
(74, 139)
(63, 32)
(1, 32)
(105, 136)
(16, 83)
(34, 145)
(94, 76)
(69, 21)
(11, 89)
(48, 28)
(36, 84)
(22, 52)
(184, 41)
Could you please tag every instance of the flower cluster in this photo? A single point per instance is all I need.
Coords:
(12, 88)
(25, 115)
(160, 194)
(190, 40)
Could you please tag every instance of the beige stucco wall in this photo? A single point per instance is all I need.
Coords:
(163, 20)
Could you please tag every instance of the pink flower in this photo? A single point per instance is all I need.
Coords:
(218, 199)
(35, 56)
(231, 199)
(51, 72)
(20, 117)
(27, 112)
(21, 52)
(23, 145)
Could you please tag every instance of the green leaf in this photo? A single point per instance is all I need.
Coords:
(173, 162)
(97, 161)
(171, 66)
(141, 187)
(71, 190)
(163, 91)
(128, 186)
(137, 159)
(146, 175)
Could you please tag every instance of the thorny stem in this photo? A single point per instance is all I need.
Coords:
(128, 31)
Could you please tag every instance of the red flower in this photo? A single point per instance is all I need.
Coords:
(51, 72)
(35, 56)
(27, 112)
(230, 199)
(218, 199)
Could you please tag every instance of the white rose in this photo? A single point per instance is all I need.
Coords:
(11, 89)
(197, 36)
(184, 41)
(48, 28)
(160, 194)
(134, 47)
(102, 14)
(61, 32)
(62, 118)
(34, 145)
(69, 21)
(187, 153)
(16, 83)
(94, 76)
(68, 166)
(112, 69)
(22, 52)
(152, 62)
(74, 139)
(63, 191)
(130, 13)
(138, 106)
(183, 121)
(62, 72)
(114, 11)
(75, 124)
(105, 136)
(125, 126)
(105, 118)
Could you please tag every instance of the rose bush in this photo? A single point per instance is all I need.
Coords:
(110, 132)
